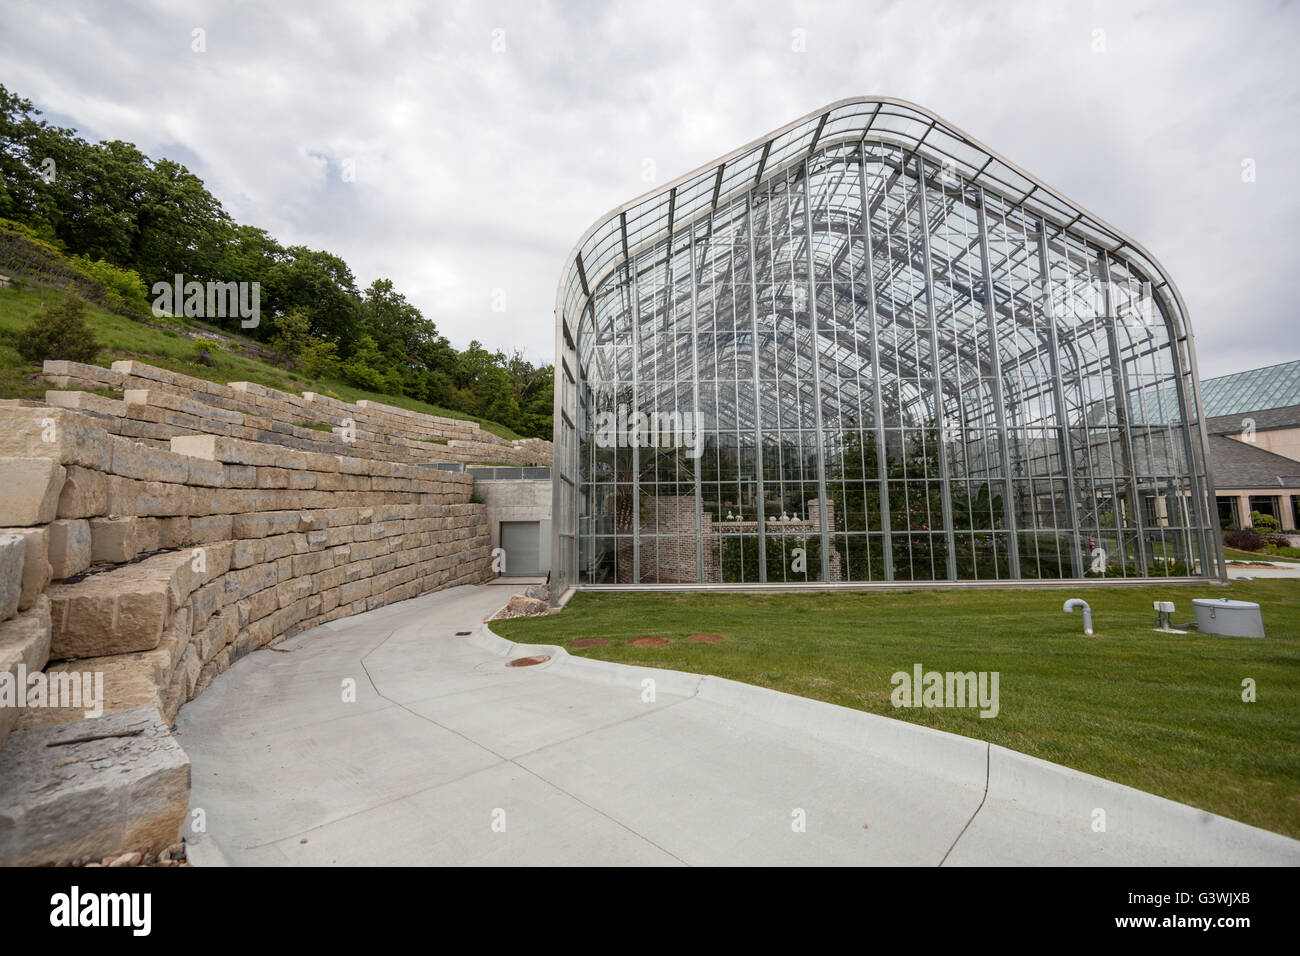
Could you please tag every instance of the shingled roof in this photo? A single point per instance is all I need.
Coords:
(1238, 464)
(1266, 419)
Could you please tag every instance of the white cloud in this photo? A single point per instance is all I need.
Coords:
(478, 170)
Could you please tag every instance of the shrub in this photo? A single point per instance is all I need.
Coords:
(205, 350)
(125, 289)
(60, 332)
(1263, 522)
(320, 359)
(1246, 539)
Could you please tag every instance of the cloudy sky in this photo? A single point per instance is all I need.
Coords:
(484, 138)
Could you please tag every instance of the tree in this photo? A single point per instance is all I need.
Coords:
(60, 332)
(398, 327)
(322, 286)
(369, 368)
(291, 335)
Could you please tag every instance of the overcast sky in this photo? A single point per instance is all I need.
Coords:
(485, 138)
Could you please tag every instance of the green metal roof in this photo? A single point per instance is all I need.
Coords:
(1276, 386)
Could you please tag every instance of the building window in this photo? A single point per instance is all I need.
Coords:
(1266, 505)
(1228, 512)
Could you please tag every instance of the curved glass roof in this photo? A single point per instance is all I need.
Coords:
(619, 234)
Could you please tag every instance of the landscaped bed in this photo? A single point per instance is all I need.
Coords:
(1159, 712)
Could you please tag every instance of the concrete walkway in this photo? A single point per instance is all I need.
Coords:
(449, 756)
(1276, 569)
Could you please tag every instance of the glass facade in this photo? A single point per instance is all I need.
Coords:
(866, 349)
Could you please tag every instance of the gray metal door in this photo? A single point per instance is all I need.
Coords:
(522, 543)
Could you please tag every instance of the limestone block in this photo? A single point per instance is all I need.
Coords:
(114, 540)
(126, 790)
(231, 450)
(118, 611)
(59, 434)
(210, 528)
(24, 649)
(13, 555)
(36, 565)
(144, 463)
(129, 496)
(86, 402)
(31, 490)
(84, 495)
(70, 547)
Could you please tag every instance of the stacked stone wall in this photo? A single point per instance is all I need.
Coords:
(147, 543)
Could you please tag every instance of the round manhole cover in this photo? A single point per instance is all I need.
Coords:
(589, 642)
(528, 661)
(706, 638)
(648, 641)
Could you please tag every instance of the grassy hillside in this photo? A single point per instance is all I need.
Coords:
(169, 343)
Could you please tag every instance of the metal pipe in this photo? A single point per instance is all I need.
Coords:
(1069, 607)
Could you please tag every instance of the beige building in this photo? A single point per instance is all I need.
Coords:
(1253, 419)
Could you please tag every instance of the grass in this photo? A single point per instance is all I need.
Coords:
(1158, 712)
(166, 347)
(1233, 554)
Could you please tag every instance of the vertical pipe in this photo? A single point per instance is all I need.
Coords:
(699, 418)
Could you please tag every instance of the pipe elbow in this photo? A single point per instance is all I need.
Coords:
(1071, 604)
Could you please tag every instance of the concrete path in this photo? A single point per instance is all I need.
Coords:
(446, 755)
(1276, 569)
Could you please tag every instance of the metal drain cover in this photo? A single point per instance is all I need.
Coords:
(464, 633)
(528, 661)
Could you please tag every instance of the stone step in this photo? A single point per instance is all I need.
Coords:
(127, 609)
(125, 787)
(24, 650)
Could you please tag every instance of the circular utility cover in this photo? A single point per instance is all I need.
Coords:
(528, 661)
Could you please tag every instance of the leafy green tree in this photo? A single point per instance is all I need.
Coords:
(291, 335)
(370, 369)
(22, 195)
(398, 327)
(321, 285)
(320, 359)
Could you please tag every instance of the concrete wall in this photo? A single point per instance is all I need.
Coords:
(518, 500)
(1280, 441)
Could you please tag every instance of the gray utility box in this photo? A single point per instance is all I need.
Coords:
(1227, 617)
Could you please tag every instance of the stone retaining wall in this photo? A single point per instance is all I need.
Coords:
(158, 405)
(148, 543)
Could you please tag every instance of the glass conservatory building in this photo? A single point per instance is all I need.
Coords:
(867, 349)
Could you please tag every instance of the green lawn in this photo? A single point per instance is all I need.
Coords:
(1232, 554)
(165, 347)
(1158, 712)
